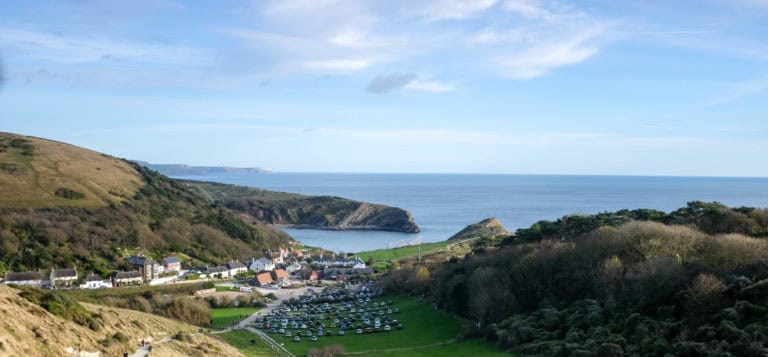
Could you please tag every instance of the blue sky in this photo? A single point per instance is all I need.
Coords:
(487, 86)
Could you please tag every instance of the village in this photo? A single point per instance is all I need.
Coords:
(285, 267)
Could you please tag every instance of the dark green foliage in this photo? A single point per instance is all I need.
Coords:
(710, 217)
(68, 194)
(633, 288)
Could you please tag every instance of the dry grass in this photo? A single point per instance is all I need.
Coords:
(28, 330)
(53, 166)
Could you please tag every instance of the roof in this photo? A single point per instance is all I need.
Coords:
(23, 276)
(217, 269)
(264, 278)
(263, 261)
(235, 264)
(170, 260)
(139, 260)
(93, 277)
(280, 274)
(127, 274)
(64, 273)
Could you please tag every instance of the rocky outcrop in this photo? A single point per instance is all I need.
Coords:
(486, 228)
(301, 211)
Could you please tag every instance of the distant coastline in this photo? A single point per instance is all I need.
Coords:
(182, 170)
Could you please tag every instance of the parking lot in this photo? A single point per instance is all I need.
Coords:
(332, 313)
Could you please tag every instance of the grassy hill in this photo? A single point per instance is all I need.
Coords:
(40, 173)
(29, 329)
(71, 206)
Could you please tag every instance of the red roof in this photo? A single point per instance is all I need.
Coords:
(279, 274)
(264, 278)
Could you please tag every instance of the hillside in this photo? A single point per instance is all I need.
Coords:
(93, 231)
(40, 173)
(486, 228)
(691, 282)
(323, 212)
(27, 329)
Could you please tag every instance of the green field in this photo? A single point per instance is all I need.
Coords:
(244, 341)
(402, 252)
(427, 333)
(223, 318)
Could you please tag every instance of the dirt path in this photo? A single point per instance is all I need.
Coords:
(143, 351)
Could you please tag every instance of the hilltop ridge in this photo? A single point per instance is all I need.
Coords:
(302, 211)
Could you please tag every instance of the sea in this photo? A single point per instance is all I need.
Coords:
(443, 204)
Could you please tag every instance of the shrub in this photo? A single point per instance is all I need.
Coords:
(69, 194)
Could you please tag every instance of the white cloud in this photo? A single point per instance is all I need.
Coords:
(540, 59)
(427, 85)
(528, 8)
(545, 36)
(456, 9)
(339, 64)
(56, 48)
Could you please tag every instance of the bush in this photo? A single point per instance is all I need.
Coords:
(69, 194)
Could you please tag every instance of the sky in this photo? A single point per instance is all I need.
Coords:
(612, 87)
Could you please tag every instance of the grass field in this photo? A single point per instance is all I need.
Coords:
(244, 341)
(223, 318)
(427, 333)
(402, 252)
(32, 179)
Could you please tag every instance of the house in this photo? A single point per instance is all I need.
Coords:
(172, 264)
(315, 275)
(124, 278)
(235, 267)
(218, 272)
(264, 278)
(298, 254)
(261, 264)
(63, 277)
(93, 281)
(358, 263)
(293, 268)
(145, 265)
(29, 278)
(279, 275)
(277, 258)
